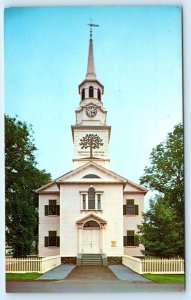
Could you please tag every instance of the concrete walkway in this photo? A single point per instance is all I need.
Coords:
(92, 273)
(96, 273)
(57, 273)
(124, 273)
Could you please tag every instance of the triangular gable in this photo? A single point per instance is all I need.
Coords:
(104, 175)
(51, 186)
(134, 188)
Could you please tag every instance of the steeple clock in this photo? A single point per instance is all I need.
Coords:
(90, 134)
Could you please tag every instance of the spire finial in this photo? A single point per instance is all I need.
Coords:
(92, 25)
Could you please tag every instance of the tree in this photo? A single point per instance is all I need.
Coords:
(162, 231)
(22, 177)
(92, 141)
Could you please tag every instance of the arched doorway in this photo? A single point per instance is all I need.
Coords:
(91, 237)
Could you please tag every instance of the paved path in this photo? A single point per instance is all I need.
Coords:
(95, 273)
(57, 273)
(124, 273)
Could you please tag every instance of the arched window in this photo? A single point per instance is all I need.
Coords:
(83, 94)
(91, 92)
(99, 94)
(91, 224)
(91, 198)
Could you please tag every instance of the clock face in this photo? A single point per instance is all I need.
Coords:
(91, 111)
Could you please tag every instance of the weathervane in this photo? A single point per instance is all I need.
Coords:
(92, 25)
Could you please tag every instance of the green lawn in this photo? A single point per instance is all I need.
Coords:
(22, 276)
(165, 278)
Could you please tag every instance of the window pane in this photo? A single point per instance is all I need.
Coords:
(91, 198)
(130, 210)
(84, 201)
(130, 240)
(52, 240)
(52, 210)
(98, 201)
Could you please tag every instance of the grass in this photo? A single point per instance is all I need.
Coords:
(166, 278)
(22, 276)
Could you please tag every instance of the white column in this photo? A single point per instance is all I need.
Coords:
(103, 239)
(80, 232)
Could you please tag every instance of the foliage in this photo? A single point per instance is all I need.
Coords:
(22, 276)
(22, 177)
(162, 231)
(166, 278)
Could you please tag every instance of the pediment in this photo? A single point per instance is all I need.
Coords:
(92, 172)
(51, 188)
(91, 217)
(132, 187)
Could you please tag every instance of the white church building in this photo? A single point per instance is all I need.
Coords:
(90, 210)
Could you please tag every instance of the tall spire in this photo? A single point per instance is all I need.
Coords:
(91, 68)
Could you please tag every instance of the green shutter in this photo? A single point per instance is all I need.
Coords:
(124, 209)
(46, 241)
(58, 210)
(46, 210)
(58, 241)
(130, 201)
(136, 209)
(124, 241)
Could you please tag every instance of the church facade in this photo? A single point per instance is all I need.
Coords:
(91, 209)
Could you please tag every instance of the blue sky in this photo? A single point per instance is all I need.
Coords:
(138, 59)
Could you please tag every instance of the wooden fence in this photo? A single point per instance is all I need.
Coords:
(154, 265)
(32, 265)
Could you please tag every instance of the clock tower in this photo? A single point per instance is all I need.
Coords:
(91, 134)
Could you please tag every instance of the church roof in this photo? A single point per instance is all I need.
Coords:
(105, 176)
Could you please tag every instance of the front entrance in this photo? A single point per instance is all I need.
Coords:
(91, 243)
(91, 240)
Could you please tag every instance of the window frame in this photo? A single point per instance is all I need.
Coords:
(98, 198)
(52, 240)
(54, 207)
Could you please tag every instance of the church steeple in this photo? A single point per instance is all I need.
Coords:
(91, 134)
(91, 68)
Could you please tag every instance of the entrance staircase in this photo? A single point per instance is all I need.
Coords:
(92, 259)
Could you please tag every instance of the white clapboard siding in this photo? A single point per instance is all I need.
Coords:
(154, 265)
(31, 265)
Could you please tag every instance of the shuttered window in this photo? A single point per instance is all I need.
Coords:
(52, 240)
(130, 238)
(52, 209)
(130, 208)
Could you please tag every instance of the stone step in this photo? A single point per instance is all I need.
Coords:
(92, 259)
(91, 263)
